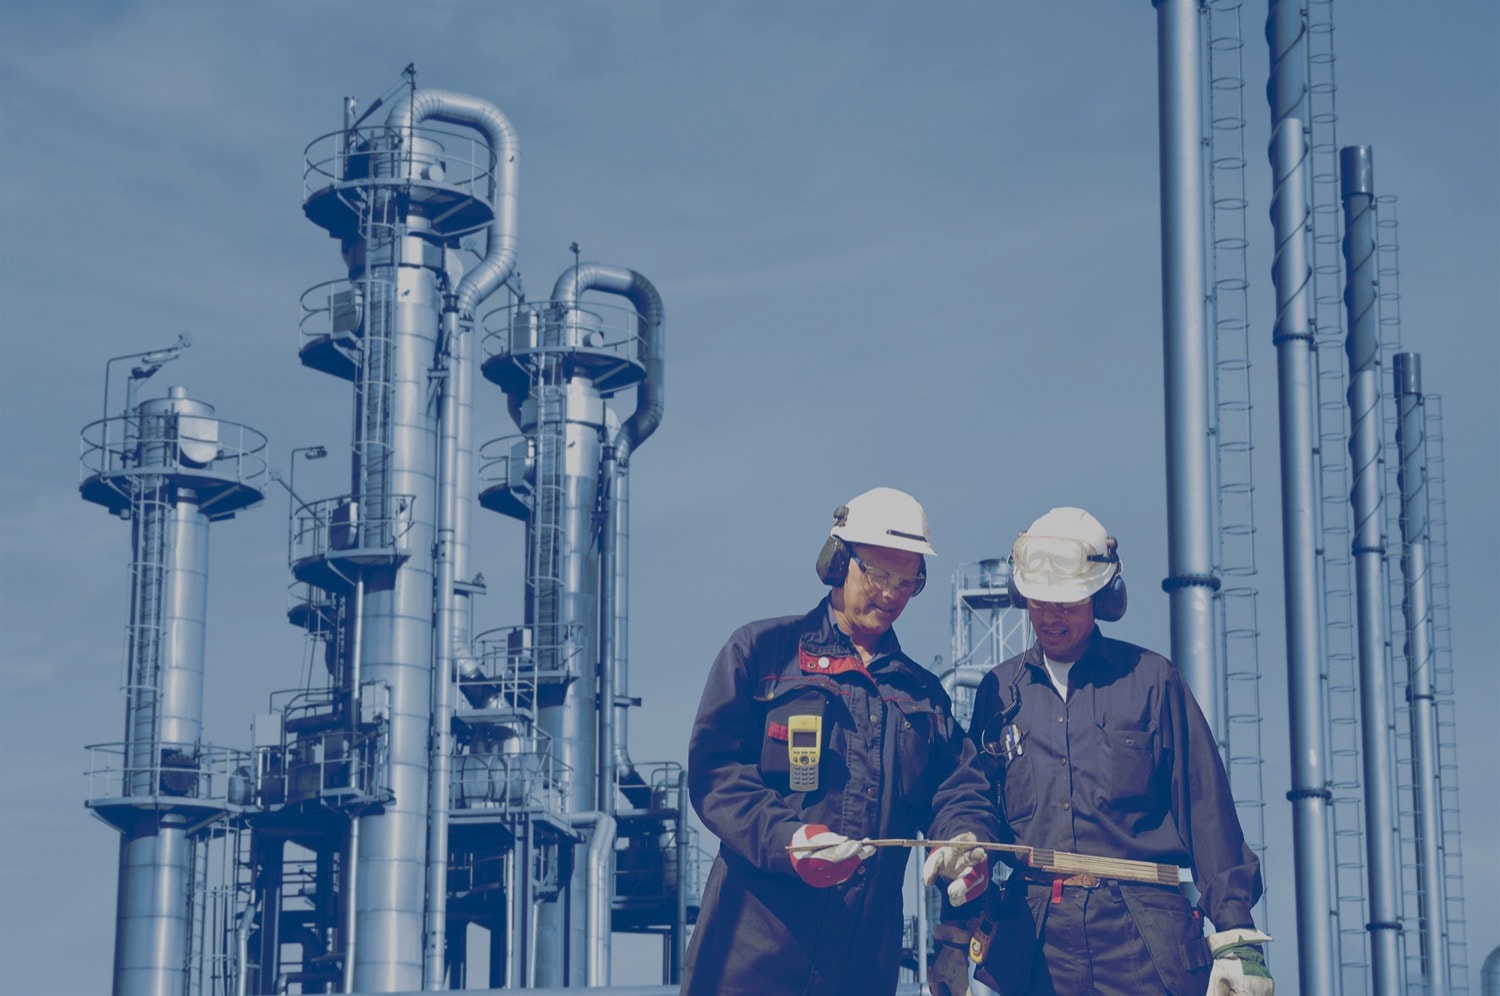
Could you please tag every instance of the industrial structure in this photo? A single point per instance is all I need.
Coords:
(428, 779)
(170, 467)
(431, 786)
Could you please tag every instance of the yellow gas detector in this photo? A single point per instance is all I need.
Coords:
(804, 742)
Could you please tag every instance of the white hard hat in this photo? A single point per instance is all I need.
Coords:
(1065, 556)
(884, 517)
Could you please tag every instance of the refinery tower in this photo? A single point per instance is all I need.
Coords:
(428, 780)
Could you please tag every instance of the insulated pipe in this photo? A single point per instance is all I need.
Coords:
(1411, 441)
(601, 856)
(962, 678)
(679, 929)
(1191, 583)
(1291, 274)
(651, 324)
(612, 755)
(1357, 189)
(452, 415)
(351, 851)
(616, 571)
(500, 254)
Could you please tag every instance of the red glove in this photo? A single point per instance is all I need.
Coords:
(822, 858)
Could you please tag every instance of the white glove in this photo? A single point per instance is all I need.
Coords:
(822, 858)
(1239, 964)
(966, 868)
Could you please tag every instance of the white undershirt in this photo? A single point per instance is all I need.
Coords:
(1058, 672)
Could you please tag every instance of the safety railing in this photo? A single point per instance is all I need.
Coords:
(507, 461)
(324, 528)
(173, 443)
(417, 154)
(513, 776)
(172, 774)
(603, 339)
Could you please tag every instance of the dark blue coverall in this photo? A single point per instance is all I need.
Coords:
(1127, 767)
(893, 760)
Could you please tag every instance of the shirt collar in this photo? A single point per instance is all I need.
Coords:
(831, 641)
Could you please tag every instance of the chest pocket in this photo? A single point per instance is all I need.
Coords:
(1018, 788)
(1129, 756)
(779, 706)
(918, 744)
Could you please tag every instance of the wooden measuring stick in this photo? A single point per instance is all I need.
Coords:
(1043, 859)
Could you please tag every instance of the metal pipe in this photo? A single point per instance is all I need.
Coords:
(609, 633)
(915, 863)
(444, 654)
(1291, 273)
(501, 241)
(961, 677)
(679, 929)
(600, 893)
(1411, 441)
(1356, 186)
(350, 871)
(617, 625)
(651, 326)
(1191, 583)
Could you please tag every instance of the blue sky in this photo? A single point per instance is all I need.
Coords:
(903, 243)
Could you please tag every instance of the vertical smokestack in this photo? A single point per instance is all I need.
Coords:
(1357, 188)
(1291, 273)
(1411, 441)
(1191, 583)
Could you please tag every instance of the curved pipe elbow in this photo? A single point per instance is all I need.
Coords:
(652, 325)
(501, 241)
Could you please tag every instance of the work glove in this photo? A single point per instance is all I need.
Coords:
(966, 868)
(831, 857)
(1239, 964)
(948, 975)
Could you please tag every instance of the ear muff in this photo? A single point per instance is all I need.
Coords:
(1109, 601)
(1017, 600)
(833, 562)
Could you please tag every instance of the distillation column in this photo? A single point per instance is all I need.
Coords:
(558, 363)
(399, 197)
(171, 468)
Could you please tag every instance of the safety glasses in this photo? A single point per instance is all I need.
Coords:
(903, 584)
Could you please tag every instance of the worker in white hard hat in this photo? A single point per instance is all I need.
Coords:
(1096, 746)
(815, 734)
